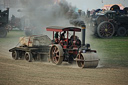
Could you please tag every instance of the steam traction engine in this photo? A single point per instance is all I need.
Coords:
(4, 15)
(112, 22)
(70, 49)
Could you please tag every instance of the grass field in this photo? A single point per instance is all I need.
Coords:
(114, 51)
(12, 37)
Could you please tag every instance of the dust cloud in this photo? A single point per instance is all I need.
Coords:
(40, 14)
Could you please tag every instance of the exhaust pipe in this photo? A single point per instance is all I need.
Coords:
(83, 28)
(77, 22)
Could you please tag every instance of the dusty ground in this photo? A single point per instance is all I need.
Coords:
(21, 72)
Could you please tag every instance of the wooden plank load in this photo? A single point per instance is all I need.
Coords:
(35, 41)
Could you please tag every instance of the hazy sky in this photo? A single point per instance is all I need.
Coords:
(93, 4)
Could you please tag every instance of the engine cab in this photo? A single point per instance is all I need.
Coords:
(66, 37)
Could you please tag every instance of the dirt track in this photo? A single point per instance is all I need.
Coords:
(21, 72)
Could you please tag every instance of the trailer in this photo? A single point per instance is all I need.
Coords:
(32, 48)
(30, 53)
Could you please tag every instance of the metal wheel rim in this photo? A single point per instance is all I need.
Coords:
(2, 32)
(14, 55)
(106, 30)
(121, 31)
(55, 54)
(27, 57)
(80, 63)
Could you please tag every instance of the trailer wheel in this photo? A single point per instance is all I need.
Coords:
(56, 54)
(15, 55)
(3, 32)
(28, 56)
(105, 30)
(121, 31)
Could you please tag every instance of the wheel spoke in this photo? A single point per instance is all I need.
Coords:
(57, 51)
(57, 56)
(54, 59)
(102, 33)
(106, 29)
(103, 26)
(80, 63)
(53, 49)
(53, 52)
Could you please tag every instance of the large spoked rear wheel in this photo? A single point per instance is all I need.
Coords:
(56, 54)
(15, 55)
(87, 60)
(28, 56)
(105, 29)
